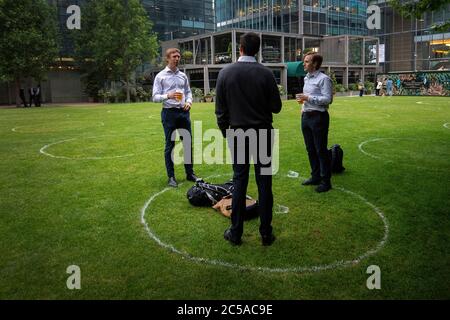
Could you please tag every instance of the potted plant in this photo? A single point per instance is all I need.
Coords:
(209, 97)
(197, 93)
(187, 57)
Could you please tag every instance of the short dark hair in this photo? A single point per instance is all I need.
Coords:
(250, 43)
(316, 59)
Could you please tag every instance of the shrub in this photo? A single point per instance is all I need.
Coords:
(281, 90)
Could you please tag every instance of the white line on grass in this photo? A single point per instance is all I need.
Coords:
(360, 147)
(446, 125)
(334, 265)
(42, 150)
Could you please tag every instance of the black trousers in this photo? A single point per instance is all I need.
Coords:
(173, 119)
(315, 126)
(262, 165)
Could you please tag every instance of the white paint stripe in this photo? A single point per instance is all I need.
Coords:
(42, 150)
(446, 125)
(360, 147)
(215, 262)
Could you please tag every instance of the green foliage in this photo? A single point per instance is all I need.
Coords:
(369, 86)
(340, 88)
(28, 38)
(187, 56)
(197, 93)
(333, 80)
(142, 95)
(353, 87)
(415, 10)
(281, 90)
(116, 38)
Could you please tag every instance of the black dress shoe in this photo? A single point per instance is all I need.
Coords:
(311, 182)
(192, 177)
(323, 187)
(268, 240)
(172, 182)
(229, 237)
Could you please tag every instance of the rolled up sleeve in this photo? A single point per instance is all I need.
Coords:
(326, 93)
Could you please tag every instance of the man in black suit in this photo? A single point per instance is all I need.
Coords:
(22, 97)
(246, 96)
(37, 96)
(31, 94)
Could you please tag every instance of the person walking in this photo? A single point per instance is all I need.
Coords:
(389, 86)
(246, 96)
(378, 87)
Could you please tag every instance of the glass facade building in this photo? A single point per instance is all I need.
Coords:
(412, 44)
(175, 19)
(308, 17)
(172, 19)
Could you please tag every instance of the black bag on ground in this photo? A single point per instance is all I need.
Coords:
(204, 194)
(337, 158)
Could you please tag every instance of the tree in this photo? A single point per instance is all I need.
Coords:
(416, 8)
(117, 39)
(28, 40)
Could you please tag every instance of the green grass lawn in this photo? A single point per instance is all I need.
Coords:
(75, 182)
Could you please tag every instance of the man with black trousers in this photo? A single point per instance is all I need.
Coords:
(246, 96)
(171, 87)
(316, 97)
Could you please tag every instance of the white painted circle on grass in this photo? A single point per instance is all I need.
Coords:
(44, 152)
(361, 145)
(300, 269)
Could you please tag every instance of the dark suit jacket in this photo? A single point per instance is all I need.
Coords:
(246, 96)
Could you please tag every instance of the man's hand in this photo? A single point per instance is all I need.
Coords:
(187, 107)
(302, 97)
(171, 95)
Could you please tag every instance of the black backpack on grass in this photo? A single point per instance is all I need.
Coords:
(204, 194)
(337, 157)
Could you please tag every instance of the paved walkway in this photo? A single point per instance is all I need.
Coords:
(56, 105)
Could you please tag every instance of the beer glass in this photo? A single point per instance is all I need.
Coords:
(178, 95)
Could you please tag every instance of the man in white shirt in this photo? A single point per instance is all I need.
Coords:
(171, 87)
(316, 97)
(378, 88)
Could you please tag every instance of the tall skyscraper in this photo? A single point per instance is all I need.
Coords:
(308, 17)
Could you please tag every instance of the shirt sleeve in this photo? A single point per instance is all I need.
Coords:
(326, 93)
(222, 114)
(158, 95)
(274, 95)
(187, 91)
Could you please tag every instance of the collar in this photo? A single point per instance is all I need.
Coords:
(167, 69)
(246, 59)
(313, 74)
